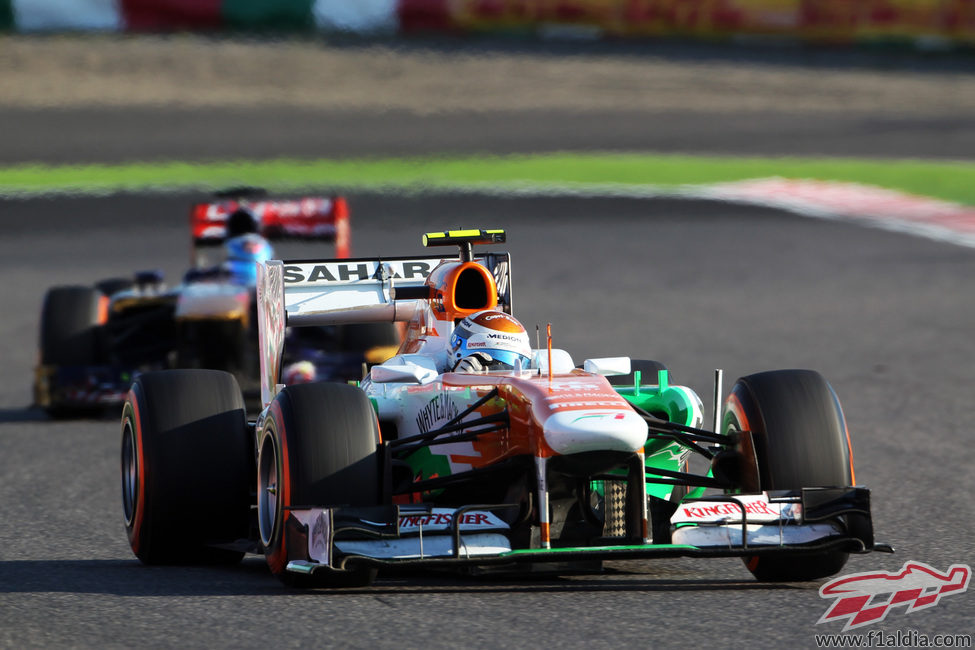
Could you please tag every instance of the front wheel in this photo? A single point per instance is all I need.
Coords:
(70, 327)
(318, 448)
(187, 463)
(800, 440)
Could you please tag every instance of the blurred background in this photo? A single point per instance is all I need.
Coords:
(107, 80)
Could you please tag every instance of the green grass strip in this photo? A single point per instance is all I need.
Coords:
(953, 181)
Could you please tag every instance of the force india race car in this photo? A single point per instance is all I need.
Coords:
(544, 465)
(95, 339)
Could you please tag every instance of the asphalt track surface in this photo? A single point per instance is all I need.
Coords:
(79, 135)
(887, 318)
(218, 99)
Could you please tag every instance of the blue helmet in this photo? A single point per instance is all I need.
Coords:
(493, 333)
(243, 254)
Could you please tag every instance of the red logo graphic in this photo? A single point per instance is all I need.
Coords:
(865, 598)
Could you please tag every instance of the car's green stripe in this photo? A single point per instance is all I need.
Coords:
(949, 180)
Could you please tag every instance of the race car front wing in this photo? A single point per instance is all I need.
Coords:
(803, 522)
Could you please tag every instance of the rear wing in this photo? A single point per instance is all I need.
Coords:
(335, 291)
(321, 218)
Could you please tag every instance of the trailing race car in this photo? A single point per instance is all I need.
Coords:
(95, 339)
(471, 449)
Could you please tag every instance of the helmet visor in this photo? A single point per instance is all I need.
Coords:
(509, 358)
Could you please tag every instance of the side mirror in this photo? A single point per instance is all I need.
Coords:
(406, 369)
(402, 373)
(608, 366)
(561, 361)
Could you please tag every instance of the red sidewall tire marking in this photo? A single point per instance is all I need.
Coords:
(277, 557)
(738, 411)
(138, 514)
(849, 448)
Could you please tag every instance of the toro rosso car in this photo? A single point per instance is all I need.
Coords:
(95, 339)
(473, 449)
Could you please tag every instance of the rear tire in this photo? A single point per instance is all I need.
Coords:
(187, 467)
(318, 448)
(800, 440)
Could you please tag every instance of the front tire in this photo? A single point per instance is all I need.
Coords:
(800, 440)
(187, 464)
(69, 336)
(69, 326)
(318, 448)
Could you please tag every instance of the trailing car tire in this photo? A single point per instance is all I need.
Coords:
(800, 440)
(318, 447)
(648, 373)
(70, 319)
(187, 467)
(70, 335)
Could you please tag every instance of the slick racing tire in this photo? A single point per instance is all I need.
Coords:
(800, 440)
(69, 326)
(187, 467)
(648, 373)
(318, 447)
(71, 318)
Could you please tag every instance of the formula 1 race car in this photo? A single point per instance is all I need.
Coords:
(95, 339)
(472, 449)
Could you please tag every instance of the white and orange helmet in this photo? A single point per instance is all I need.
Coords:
(494, 333)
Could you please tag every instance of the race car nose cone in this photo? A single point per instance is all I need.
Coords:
(572, 432)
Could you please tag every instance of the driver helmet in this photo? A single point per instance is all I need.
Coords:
(243, 254)
(494, 333)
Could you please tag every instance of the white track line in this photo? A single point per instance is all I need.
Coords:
(876, 207)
